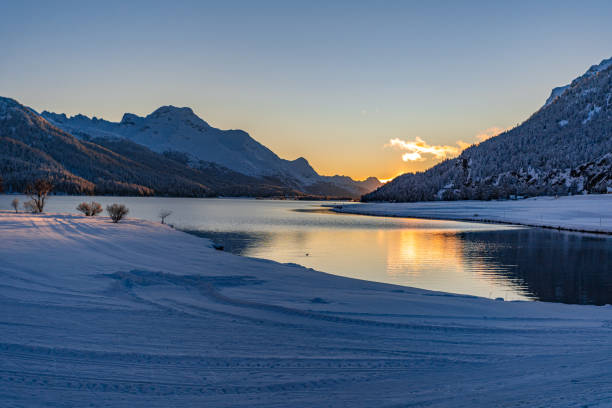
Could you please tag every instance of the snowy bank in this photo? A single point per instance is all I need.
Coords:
(586, 213)
(137, 314)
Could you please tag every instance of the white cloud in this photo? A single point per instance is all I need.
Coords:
(418, 147)
(412, 156)
(419, 150)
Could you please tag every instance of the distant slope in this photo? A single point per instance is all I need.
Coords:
(180, 130)
(101, 161)
(565, 147)
(31, 147)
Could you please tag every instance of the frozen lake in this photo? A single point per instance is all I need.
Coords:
(461, 257)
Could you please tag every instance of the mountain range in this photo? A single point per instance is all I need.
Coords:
(169, 152)
(563, 148)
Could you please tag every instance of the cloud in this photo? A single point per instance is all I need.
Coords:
(415, 156)
(419, 150)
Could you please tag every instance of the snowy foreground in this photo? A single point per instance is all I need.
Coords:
(586, 213)
(139, 315)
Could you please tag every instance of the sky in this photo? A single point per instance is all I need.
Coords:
(373, 88)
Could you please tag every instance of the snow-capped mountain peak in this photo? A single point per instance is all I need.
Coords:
(171, 113)
(602, 66)
(174, 129)
(593, 70)
(130, 119)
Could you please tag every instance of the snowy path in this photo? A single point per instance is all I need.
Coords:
(137, 314)
(588, 213)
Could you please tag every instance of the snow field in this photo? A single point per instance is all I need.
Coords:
(137, 314)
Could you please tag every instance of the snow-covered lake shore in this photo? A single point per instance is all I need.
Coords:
(138, 314)
(585, 213)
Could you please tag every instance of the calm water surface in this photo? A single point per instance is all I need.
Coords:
(470, 258)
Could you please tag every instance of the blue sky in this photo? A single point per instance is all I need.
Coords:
(331, 81)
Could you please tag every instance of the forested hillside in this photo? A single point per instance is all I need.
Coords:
(563, 148)
(31, 147)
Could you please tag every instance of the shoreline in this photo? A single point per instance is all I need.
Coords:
(312, 198)
(531, 212)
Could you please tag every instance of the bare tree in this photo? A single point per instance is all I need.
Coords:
(163, 214)
(90, 209)
(117, 212)
(38, 194)
(15, 204)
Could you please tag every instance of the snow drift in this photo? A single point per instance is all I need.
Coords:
(137, 314)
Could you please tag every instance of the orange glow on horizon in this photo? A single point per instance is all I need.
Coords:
(386, 180)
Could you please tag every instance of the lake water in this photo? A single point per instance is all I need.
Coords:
(470, 258)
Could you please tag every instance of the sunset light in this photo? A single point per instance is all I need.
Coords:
(304, 204)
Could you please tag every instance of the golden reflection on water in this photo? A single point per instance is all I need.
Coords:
(470, 258)
(430, 258)
(414, 251)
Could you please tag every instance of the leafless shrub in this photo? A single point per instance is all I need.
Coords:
(38, 192)
(96, 208)
(15, 204)
(30, 206)
(163, 214)
(90, 209)
(117, 212)
(83, 208)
